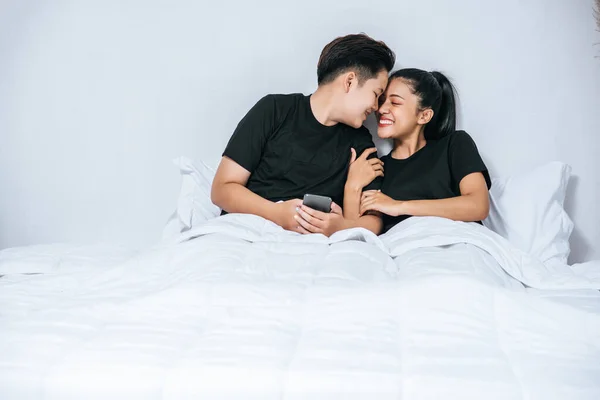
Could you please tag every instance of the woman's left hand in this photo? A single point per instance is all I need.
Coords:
(374, 200)
(362, 169)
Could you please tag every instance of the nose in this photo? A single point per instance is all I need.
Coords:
(384, 108)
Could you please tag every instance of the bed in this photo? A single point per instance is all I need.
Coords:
(234, 307)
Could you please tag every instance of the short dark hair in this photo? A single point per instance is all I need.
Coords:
(358, 52)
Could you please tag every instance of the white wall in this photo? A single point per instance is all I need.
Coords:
(96, 97)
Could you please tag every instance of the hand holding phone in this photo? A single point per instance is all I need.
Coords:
(316, 202)
(319, 214)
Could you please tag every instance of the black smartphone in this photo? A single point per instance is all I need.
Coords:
(316, 202)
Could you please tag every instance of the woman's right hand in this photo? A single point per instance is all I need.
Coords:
(362, 170)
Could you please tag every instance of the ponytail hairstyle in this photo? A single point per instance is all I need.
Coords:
(434, 91)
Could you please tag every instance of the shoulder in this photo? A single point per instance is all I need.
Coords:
(457, 141)
(360, 135)
(460, 138)
(278, 106)
(291, 99)
(280, 100)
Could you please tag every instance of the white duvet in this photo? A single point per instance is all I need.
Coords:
(240, 309)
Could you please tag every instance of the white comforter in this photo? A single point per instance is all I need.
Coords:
(239, 309)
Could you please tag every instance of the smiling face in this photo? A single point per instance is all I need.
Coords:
(360, 98)
(400, 114)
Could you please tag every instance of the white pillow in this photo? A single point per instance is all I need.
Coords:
(528, 210)
(193, 205)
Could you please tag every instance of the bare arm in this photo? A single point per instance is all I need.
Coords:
(352, 196)
(230, 193)
(472, 204)
(362, 172)
(371, 221)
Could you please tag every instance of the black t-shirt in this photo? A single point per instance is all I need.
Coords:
(289, 153)
(433, 172)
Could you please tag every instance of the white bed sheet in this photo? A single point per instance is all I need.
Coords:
(585, 299)
(245, 311)
(60, 258)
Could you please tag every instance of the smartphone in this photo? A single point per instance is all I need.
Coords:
(316, 202)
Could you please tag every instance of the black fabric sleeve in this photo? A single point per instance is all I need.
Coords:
(464, 158)
(246, 145)
(363, 142)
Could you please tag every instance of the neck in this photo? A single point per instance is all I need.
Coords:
(321, 104)
(407, 146)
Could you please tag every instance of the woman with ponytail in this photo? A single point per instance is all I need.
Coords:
(433, 170)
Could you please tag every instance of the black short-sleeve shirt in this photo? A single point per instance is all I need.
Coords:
(289, 153)
(434, 172)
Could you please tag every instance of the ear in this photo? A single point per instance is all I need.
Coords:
(349, 81)
(425, 116)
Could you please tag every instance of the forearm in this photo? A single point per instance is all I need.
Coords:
(461, 208)
(352, 202)
(236, 198)
(352, 216)
(372, 223)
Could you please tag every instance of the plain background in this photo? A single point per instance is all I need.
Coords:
(97, 97)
